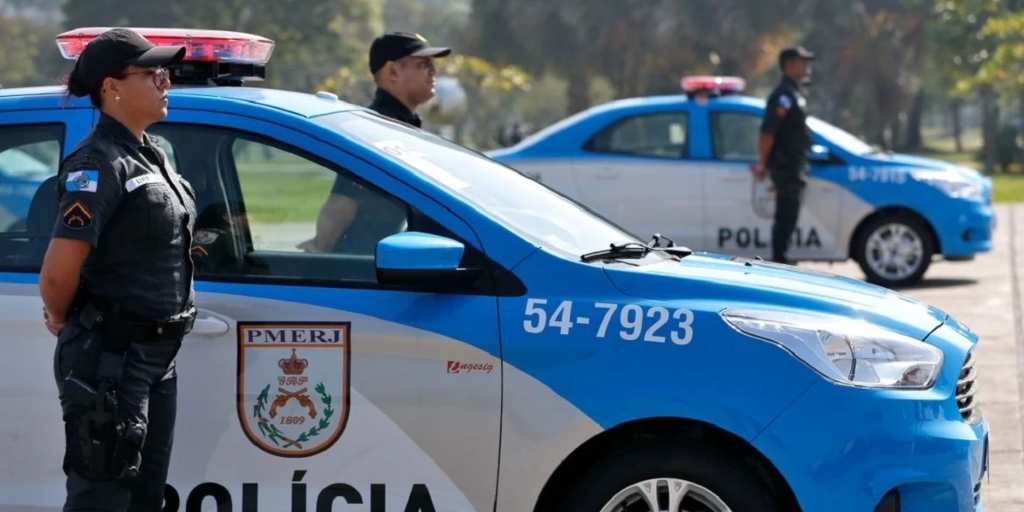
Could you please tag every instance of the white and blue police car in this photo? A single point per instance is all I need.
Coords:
(680, 165)
(502, 349)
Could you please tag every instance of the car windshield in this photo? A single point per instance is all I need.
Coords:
(531, 209)
(845, 140)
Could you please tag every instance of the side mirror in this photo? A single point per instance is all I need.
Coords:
(820, 154)
(422, 260)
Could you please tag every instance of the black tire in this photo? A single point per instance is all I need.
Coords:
(909, 222)
(734, 482)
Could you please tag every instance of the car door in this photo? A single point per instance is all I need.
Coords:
(32, 143)
(740, 210)
(303, 377)
(634, 174)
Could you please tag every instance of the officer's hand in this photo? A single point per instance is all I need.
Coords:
(309, 246)
(52, 324)
(758, 171)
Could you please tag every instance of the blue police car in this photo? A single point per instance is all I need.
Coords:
(500, 348)
(680, 165)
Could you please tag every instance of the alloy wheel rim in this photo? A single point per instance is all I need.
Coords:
(665, 495)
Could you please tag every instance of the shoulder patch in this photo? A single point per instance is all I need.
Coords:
(82, 181)
(76, 216)
(784, 101)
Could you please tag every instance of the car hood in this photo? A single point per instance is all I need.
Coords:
(719, 282)
(923, 163)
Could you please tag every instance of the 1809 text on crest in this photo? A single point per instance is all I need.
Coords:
(293, 385)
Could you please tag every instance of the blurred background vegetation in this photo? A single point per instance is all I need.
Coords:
(941, 78)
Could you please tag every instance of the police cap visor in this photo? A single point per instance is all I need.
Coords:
(121, 46)
(398, 45)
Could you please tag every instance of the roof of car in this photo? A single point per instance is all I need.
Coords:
(298, 103)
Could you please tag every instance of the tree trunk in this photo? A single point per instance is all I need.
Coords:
(990, 128)
(578, 90)
(958, 130)
(912, 140)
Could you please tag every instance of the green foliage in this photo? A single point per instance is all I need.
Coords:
(17, 40)
(1004, 67)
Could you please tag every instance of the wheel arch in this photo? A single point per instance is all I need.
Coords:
(620, 436)
(892, 211)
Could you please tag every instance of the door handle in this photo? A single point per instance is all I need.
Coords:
(208, 325)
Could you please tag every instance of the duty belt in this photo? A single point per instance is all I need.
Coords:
(94, 315)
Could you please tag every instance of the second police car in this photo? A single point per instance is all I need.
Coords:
(503, 349)
(680, 165)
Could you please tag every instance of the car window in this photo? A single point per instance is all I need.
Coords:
(258, 204)
(29, 156)
(734, 135)
(653, 135)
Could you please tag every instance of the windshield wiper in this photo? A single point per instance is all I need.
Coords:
(626, 250)
(671, 248)
(635, 250)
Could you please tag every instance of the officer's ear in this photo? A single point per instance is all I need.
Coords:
(110, 86)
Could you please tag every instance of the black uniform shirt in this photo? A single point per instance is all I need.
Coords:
(387, 105)
(376, 217)
(122, 197)
(785, 116)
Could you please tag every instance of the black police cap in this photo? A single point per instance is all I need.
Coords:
(793, 53)
(120, 46)
(397, 45)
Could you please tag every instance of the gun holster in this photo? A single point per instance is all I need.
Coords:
(101, 445)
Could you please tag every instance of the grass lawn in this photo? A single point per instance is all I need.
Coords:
(1008, 187)
(284, 195)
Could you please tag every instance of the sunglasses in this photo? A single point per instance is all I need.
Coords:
(160, 76)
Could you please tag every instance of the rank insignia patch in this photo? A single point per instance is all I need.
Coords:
(77, 216)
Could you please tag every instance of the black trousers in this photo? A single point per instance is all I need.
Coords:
(147, 394)
(789, 196)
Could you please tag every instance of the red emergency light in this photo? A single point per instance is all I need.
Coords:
(220, 46)
(713, 85)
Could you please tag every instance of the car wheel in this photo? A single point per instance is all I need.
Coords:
(894, 251)
(661, 476)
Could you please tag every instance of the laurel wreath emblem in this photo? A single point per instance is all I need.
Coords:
(270, 431)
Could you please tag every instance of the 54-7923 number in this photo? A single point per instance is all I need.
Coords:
(629, 322)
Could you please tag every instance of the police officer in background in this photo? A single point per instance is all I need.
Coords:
(116, 281)
(784, 143)
(402, 64)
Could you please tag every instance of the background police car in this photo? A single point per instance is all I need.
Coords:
(680, 166)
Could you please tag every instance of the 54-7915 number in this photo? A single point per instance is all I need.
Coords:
(629, 322)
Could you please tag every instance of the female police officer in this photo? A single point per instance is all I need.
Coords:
(116, 280)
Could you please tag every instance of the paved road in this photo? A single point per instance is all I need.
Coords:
(985, 294)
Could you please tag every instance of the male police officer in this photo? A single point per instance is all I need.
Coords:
(783, 145)
(402, 65)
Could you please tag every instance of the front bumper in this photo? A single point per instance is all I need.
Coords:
(966, 231)
(843, 449)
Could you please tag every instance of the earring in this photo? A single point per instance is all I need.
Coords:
(117, 98)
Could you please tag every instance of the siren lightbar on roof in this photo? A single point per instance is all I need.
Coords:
(225, 57)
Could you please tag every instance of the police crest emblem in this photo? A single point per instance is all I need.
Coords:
(293, 385)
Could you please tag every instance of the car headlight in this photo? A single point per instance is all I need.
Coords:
(845, 351)
(951, 184)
